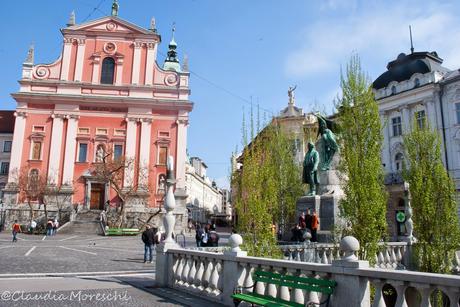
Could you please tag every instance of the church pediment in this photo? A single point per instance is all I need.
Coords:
(108, 24)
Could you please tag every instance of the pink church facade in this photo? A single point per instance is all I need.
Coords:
(106, 92)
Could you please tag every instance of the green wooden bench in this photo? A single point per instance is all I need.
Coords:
(122, 232)
(292, 282)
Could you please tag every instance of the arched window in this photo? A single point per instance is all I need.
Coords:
(108, 70)
(393, 90)
(399, 160)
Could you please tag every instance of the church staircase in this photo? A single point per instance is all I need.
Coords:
(84, 223)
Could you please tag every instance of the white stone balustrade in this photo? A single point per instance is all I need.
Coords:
(215, 275)
(389, 256)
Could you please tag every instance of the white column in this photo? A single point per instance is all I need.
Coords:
(130, 151)
(136, 63)
(16, 147)
(96, 64)
(69, 155)
(66, 53)
(144, 155)
(119, 77)
(406, 126)
(55, 149)
(181, 152)
(149, 65)
(80, 60)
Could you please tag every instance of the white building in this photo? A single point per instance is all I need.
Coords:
(6, 139)
(416, 88)
(205, 199)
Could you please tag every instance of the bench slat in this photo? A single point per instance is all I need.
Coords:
(264, 300)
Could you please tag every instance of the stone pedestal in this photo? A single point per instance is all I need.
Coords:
(164, 264)
(326, 203)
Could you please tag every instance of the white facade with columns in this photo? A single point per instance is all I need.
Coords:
(433, 95)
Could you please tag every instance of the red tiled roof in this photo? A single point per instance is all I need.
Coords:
(7, 121)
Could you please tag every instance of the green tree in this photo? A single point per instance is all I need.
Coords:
(364, 204)
(433, 201)
(267, 188)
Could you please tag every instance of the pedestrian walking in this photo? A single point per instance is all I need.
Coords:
(49, 228)
(148, 237)
(199, 235)
(314, 226)
(308, 220)
(213, 237)
(55, 226)
(16, 229)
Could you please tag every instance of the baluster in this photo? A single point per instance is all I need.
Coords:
(176, 267)
(331, 255)
(297, 295)
(207, 274)
(378, 299)
(317, 256)
(456, 263)
(298, 256)
(271, 288)
(192, 273)
(324, 256)
(387, 262)
(248, 282)
(260, 286)
(399, 257)
(283, 290)
(199, 274)
(337, 254)
(393, 260)
(312, 295)
(400, 290)
(380, 260)
(214, 287)
(425, 293)
(180, 268)
(186, 271)
(220, 280)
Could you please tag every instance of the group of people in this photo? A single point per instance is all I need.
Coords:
(206, 236)
(151, 236)
(51, 227)
(308, 223)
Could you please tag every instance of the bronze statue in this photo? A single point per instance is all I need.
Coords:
(310, 168)
(328, 143)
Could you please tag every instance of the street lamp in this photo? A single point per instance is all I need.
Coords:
(2, 215)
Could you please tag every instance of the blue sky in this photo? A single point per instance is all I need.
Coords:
(243, 48)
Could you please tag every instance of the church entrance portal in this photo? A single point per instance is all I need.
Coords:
(97, 196)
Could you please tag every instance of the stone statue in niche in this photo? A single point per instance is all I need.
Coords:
(100, 153)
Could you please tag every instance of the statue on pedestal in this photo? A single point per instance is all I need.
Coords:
(310, 168)
(328, 143)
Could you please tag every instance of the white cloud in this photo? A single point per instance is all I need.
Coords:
(376, 32)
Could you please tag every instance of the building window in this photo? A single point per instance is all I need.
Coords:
(421, 118)
(163, 134)
(102, 131)
(120, 132)
(393, 90)
(36, 150)
(108, 71)
(7, 146)
(117, 151)
(82, 152)
(457, 111)
(4, 168)
(83, 130)
(396, 124)
(399, 160)
(162, 155)
(416, 82)
(38, 128)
